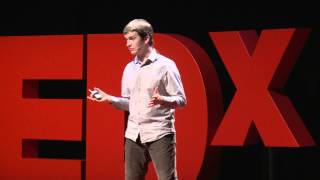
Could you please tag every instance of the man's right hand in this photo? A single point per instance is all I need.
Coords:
(105, 96)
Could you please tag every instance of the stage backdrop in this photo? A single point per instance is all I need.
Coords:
(251, 76)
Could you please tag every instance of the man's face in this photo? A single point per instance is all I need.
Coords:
(135, 43)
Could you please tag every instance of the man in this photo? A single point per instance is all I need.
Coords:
(151, 90)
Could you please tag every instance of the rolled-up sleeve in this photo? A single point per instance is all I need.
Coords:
(122, 102)
(174, 87)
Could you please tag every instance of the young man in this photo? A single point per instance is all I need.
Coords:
(151, 90)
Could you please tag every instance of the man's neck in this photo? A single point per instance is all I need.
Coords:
(143, 57)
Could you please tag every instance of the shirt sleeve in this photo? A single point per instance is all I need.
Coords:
(174, 87)
(122, 102)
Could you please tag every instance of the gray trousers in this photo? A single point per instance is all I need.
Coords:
(162, 153)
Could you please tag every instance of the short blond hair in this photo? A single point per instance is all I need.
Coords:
(142, 27)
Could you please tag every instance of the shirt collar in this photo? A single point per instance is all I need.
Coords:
(152, 57)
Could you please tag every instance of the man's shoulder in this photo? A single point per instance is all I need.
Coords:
(163, 60)
(130, 63)
(166, 64)
(130, 66)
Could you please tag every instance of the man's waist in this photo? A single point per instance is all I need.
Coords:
(143, 118)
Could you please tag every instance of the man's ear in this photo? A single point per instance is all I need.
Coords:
(146, 39)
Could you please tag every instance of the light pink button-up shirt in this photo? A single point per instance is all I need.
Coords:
(138, 84)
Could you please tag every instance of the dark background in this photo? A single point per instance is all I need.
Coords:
(194, 20)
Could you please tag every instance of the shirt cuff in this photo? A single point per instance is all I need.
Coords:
(168, 99)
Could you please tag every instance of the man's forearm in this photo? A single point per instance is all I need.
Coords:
(121, 103)
(174, 101)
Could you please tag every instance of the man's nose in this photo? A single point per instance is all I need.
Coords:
(128, 44)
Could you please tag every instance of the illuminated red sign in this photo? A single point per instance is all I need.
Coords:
(257, 65)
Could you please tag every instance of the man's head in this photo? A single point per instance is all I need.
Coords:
(139, 35)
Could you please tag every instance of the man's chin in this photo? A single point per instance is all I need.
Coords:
(133, 53)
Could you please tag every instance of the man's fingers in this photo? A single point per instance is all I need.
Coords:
(156, 90)
(150, 104)
(88, 97)
(154, 99)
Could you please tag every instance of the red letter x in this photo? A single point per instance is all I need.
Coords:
(259, 67)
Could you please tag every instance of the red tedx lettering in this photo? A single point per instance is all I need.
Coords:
(259, 67)
(34, 58)
(61, 57)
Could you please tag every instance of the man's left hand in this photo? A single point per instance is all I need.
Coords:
(156, 98)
